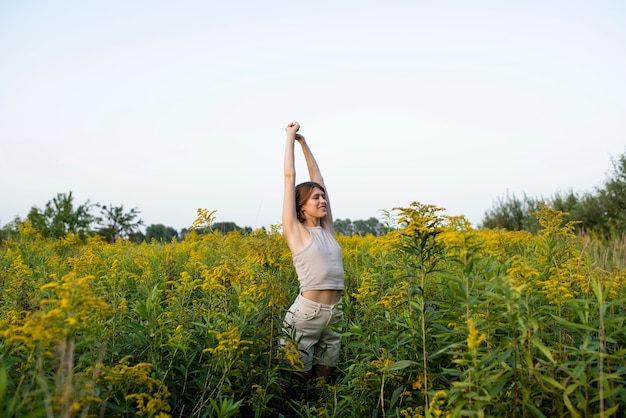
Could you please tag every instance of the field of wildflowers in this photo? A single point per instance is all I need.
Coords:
(441, 320)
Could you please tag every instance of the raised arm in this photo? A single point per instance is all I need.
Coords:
(291, 228)
(316, 176)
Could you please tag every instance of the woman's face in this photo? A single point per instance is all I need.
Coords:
(315, 206)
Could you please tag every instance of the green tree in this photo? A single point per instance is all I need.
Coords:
(585, 209)
(361, 227)
(568, 202)
(137, 237)
(115, 223)
(226, 227)
(60, 217)
(513, 214)
(344, 227)
(612, 198)
(9, 230)
(601, 212)
(369, 226)
(160, 232)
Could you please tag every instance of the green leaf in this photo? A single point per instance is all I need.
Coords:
(574, 325)
(570, 407)
(533, 409)
(551, 381)
(399, 365)
(3, 383)
(570, 389)
(3, 386)
(395, 396)
(545, 350)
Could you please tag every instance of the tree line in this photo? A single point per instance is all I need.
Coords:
(62, 216)
(601, 212)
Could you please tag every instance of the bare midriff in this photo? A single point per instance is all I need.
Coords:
(326, 297)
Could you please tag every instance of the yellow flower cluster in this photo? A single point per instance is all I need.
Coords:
(18, 292)
(436, 407)
(392, 302)
(289, 352)
(150, 395)
(438, 404)
(204, 219)
(417, 412)
(521, 272)
(27, 230)
(385, 360)
(558, 287)
(251, 296)
(419, 382)
(368, 287)
(216, 280)
(71, 305)
(474, 337)
(229, 342)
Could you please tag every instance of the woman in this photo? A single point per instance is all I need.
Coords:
(308, 229)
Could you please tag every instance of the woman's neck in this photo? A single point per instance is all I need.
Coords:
(312, 223)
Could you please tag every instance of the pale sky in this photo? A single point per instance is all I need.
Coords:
(172, 106)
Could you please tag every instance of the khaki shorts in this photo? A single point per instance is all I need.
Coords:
(314, 327)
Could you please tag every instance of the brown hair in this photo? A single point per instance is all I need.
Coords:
(303, 193)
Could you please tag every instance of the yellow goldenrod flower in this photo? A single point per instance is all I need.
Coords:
(289, 353)
(228, 342)
(474, 338)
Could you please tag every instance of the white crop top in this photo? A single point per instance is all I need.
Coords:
(319, 265)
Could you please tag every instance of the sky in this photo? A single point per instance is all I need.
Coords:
(168, 107)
